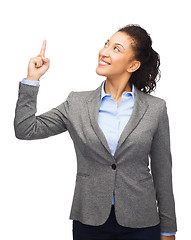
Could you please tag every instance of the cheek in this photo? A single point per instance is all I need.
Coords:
(119, 62)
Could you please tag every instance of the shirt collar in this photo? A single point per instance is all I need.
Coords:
(103, 94)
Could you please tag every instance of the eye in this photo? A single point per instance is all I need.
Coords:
(116, 49)
(106, 44)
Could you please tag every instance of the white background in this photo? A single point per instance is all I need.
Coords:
(37, 178)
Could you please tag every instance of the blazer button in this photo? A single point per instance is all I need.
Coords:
(113, 166)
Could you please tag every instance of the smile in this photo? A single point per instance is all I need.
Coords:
(103, 63)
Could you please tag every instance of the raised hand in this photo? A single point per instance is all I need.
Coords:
(38, 65)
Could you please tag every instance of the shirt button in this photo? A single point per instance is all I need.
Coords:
(113, 166)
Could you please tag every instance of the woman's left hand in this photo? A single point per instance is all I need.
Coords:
(167, 237)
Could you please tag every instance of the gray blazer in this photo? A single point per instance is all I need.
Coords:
(143, 197)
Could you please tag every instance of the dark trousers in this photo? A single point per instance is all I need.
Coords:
(111, 230)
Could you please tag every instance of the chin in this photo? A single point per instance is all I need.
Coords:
(101, 72)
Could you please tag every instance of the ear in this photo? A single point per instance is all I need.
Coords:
(134, 66)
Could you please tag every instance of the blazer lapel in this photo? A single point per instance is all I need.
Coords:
(93, 109)
(140, 107)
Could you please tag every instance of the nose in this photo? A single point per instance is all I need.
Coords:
(104, 52)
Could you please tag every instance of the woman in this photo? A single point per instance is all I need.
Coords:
(116, 129)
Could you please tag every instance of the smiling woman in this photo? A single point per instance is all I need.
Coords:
(129, 54)
(117, 130)
(116, 59)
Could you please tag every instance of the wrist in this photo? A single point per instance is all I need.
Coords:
(32, 78)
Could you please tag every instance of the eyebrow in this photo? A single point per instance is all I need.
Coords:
(117, 44)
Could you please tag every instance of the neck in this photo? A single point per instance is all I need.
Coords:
(116, 87)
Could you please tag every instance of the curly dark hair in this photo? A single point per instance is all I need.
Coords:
(148, 74)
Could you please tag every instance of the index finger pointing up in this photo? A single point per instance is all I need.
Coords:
(42, 52)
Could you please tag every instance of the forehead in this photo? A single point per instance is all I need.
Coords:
(122, 38)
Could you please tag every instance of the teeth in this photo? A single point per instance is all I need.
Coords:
(104, 62)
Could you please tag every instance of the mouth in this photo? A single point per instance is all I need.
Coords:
(103, 62)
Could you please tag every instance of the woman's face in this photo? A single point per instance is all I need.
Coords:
(116, 58)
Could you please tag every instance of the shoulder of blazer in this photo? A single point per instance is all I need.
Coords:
(86, 96)
(150, 99)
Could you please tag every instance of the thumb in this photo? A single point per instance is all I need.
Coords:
(46, 65)
(46, 61)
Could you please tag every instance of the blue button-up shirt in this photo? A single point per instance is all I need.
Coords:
(112, 118)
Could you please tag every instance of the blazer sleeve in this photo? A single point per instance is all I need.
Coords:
(161, 168)
(28, 126)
